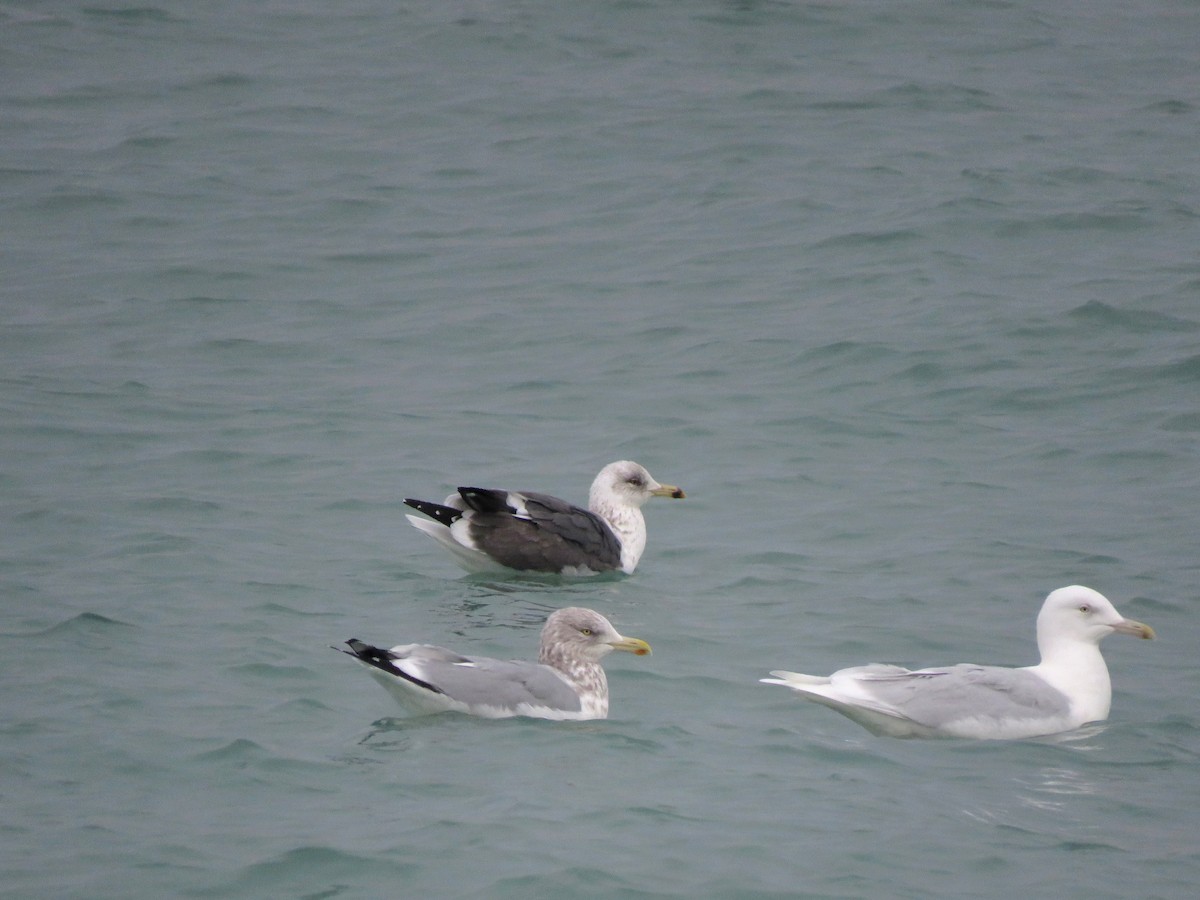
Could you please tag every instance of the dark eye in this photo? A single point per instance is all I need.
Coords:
(637, 481)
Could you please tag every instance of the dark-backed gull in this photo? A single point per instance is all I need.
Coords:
(496, 530)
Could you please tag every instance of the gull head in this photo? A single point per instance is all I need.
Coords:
(1080, 614)
(628, 484)
(585, 634)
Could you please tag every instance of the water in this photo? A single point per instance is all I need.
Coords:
(905, 296)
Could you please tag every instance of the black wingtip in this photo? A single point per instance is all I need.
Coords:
(372, 656)
(486, 500)
(366, 652)
(382, 659)
(445, 515)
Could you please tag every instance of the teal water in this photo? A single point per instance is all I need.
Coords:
(906, 296)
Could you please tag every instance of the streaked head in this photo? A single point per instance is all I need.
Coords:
(585, 633)
(631, 484)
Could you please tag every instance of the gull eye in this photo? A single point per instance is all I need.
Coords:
(585, 631)
(1085, 609)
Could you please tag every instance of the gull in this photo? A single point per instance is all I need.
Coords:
(1068, 688)
(567, 681)
(491, 530)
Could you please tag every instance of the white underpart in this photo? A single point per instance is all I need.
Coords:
(1074, 665)
(629, 525)
(593, 703)
(418, 700)
(457, 541)
(614, 500)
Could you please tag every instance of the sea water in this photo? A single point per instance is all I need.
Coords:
(904, 295)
